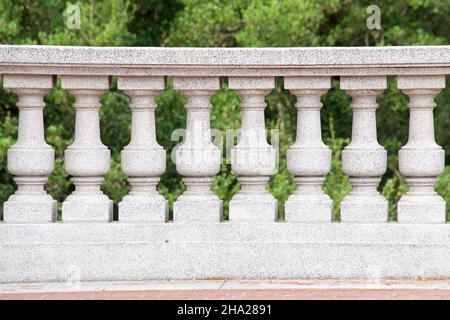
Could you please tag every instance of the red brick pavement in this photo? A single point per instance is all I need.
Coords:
(235, 294)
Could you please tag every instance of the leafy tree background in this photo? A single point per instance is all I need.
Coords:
(232, 23)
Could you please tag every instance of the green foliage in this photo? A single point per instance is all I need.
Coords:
(443, 187)
(170, 116)
(8, 132)
(207, 23)
(281, 115)
(202, 23)
(337, 184)
(103, 23)
(282, 23)
(225, 115)
(151, 20)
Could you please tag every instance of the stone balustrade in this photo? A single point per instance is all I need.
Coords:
(198, 243)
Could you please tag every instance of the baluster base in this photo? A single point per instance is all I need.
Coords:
(421, 209)
(364, 203)
(253, 202)
(143, 203)
(23, 209)
(87, 203)
(357, 208)
(84, 209)
(144, 209)
(198, 210)
(309, 203)
(308, 208)
(30, 203)
(255, 208)
(198, 203)
(421, 204)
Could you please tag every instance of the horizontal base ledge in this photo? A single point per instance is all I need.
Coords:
(226, 250)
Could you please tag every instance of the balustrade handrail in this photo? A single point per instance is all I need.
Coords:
(85, 72)
(143, 244)
(277, 60)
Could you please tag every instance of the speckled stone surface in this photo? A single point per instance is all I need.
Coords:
(421, 160)
(309, 159)
(146, 208)
(30, 159)
(86, 208)
(253, 202)
(252, 158)
(143, 160)
(309, 203)
(326, 56)
(364, 160)
(279, 250)
(197, 245)
(29, 209)
(197, 159)
(201, 206)
(421, 209)
(86, 160)
(254, 62)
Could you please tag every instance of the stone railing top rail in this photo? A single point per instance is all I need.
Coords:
(223, 61)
